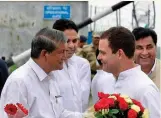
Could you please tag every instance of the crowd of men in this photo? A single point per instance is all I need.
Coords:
(56, 81)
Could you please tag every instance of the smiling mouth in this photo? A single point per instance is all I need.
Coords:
(144, 57)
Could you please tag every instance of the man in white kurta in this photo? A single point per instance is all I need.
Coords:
(33, 84)
(29, 85)
(132, 82)
(75, 79)
(73, 89)
(117, 46)
(67, 80)
(84, 78)
(102, 82)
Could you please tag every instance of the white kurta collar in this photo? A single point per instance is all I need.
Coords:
(37, 69)
(126, 73)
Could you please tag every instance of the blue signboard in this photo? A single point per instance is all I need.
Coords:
(56, 12)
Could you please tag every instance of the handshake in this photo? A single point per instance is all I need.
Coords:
(89, 113)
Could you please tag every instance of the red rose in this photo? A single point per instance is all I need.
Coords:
(123, 104)
(132, 114)
(23, 109)
(102, 95)
(10, 109)
(138, 104)
(102, 104)
(98, 106)
(111, 102)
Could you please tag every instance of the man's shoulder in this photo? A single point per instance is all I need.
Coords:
(1, 61)
(103, 77)
(81, 60)
(142, 81)
(2, 64)
(20, 74)
(158, 62)
(16, 78)
(156, 71)
(87, 47)
(147, 88)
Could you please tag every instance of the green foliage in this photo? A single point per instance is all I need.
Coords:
(111, 114)
(12, 68)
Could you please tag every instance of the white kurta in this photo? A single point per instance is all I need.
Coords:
(1, 110)
(32, 87)
(74, 94)
(100, 82)
(84, 75)
(138, 85)
(69, 86)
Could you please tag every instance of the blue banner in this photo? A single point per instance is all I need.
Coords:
(56, 12)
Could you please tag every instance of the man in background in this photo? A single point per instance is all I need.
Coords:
(82, 41)
(3, 74)
(75, 79)
(146, 51)
(89, 52)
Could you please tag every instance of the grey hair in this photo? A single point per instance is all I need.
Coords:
(46, 39)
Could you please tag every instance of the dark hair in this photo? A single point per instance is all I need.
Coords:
(120, 38)
(3, 58)
(46, 39)
(141, 32)
(64, 24)
(83, 38)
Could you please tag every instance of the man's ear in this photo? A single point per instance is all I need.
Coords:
(44, 54)
(120, 53)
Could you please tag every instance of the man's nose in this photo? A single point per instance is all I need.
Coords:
(64, 55)
(71, 45)
(144, 52)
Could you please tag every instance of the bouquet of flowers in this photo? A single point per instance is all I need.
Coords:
(15, 110)
(117, 106)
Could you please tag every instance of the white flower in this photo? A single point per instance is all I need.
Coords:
(112, 97)
(105, 111)
(127, 98)
(88, 115)
(124, 96)
(135, 107)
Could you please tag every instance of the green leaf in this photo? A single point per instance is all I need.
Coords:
(110, 114)
(105, 116)
(98, 115)
(114, 117)
(114, 111)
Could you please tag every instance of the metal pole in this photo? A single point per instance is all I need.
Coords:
(106, 12)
